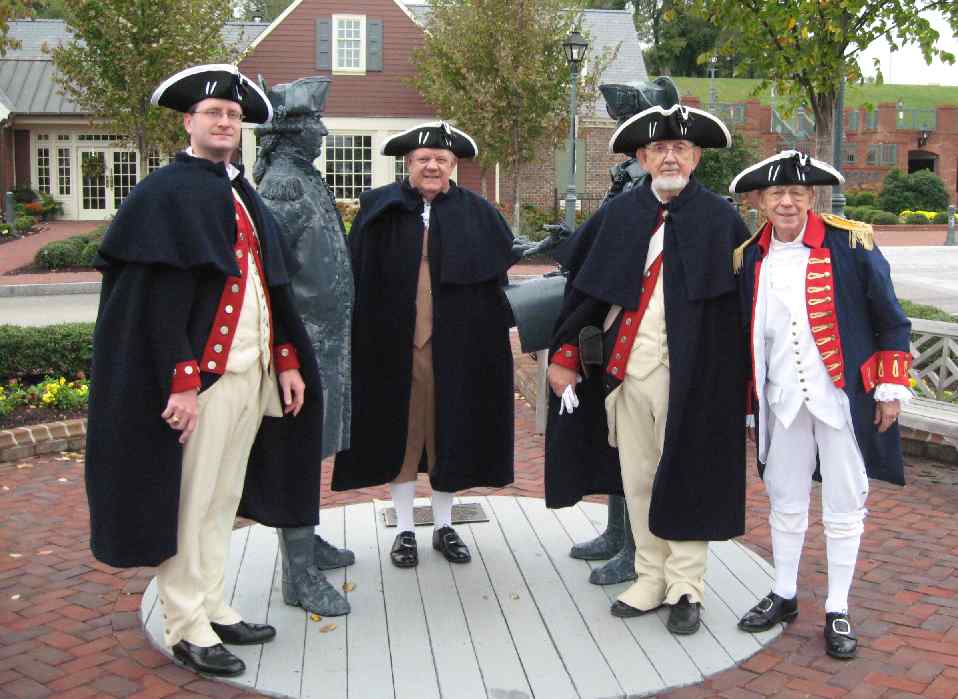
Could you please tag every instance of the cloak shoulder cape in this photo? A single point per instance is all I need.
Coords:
(165, 260)
(470, 249)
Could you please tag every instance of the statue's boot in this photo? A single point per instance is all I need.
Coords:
(609, 542)
(328, 557)
(303, 585)
(621, 567)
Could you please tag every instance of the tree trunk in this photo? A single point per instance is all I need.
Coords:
(824, 108)
(514, 164)
(483, 188)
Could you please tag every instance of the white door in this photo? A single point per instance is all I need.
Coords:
(124, 167)
(94, 197)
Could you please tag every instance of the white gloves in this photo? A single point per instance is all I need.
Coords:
(569, 401)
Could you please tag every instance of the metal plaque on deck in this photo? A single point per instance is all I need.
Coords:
(421, 516)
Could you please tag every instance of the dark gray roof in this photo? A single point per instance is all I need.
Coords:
(30, 89)
(26, 73)
(606, 29)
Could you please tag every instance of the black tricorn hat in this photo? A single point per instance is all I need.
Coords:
(183, 90)
(303, 96)
(623, 101)
(677, 123)
(785, 168)
(434, 134)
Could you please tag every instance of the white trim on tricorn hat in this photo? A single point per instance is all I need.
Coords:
(788, 167)
(182, 90)
(433, 134)
(677, 123)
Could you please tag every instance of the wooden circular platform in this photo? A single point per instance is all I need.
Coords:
(520, 620)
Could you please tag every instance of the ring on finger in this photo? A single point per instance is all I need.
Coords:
(174, 419)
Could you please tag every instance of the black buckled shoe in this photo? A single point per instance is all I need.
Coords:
(684, 617)
(769, 611)
(211, 660)
(448, 542)
(840, 641)
(244, 634)
(404, 553)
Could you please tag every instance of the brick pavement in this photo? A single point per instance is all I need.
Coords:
(69, 625)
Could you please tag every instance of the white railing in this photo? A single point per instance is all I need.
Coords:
(934, 347)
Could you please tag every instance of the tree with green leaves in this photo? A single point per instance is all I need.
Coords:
(922, 190)
(807, 48)
(122, 49)
(10, 10)
(265, 10)
(719, 166)
(497, 69)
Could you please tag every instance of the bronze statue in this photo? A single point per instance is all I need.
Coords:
(322, 284)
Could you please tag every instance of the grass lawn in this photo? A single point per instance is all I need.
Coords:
(740, 89)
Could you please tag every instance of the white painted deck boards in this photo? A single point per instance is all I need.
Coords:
(520, 620)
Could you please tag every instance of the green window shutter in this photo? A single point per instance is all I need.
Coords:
(374, 44)
(324, 44)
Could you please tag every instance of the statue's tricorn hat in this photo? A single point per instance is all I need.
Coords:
(434, 134)
(626, 100)
(677, 123)
(303, 96)
(183, 90)
(785, 168)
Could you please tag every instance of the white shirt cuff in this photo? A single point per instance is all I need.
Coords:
(885, 392)
(750, 421)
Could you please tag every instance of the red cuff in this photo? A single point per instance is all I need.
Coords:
(750, 398)
(186, 377)
(890, 366)
(285, 357)
(567, 356)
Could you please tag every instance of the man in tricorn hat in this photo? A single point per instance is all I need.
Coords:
(647, 278)
(829, 344)
(196, 340)
(432, 364)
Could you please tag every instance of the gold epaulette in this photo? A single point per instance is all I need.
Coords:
(859, 232)
(738, 254)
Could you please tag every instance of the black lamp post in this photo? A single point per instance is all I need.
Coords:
(838, 133)
(575, 47)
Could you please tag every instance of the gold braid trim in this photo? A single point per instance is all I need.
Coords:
(738, 254)
(859, 232)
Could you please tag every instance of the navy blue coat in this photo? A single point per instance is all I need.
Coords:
(870, 320)
(699, 488)
(165, 260)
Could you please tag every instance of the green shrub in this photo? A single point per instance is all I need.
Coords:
(861, 198)
(941, 217)
(856, 213)
(88, 254)
(915, 219)
(23, 194)
(25, 223)
(52, 350)
(885, 218)
(921, 190)
(77, 251)
(918, 310)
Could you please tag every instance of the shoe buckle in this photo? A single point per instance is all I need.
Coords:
(846, 628)
(765, 605)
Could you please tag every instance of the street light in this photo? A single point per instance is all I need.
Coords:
(838, 157)
(575, 47)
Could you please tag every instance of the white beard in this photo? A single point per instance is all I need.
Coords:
(669, 183)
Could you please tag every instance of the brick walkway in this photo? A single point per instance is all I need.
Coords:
(69, 625)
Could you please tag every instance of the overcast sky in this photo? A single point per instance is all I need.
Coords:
(907, 66)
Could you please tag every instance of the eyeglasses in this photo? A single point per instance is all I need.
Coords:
(441, 161)
(659, 149)
(218, 114)
(794, 193)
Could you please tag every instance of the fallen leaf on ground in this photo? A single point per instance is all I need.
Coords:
(62, 480)
(16, 555)
(6, 488)
(315, 617)
(63, 458)
(24, 465)
(514, 595)
(327, 628)
(14, 597)
(349, 586)
(44, 552)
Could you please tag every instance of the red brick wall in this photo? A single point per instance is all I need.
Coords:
(6, 160)
(289, 53)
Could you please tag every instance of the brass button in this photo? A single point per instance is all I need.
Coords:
(628, 321)
(623, 339)
(224, 330)
(228, 309)
(615, 370)
(567, 353)
(211, 365)
(242, 237)
(217, 348)
(235, 288)
(618, 356)
(284, 352)
(239, 253)
(188, 370)
(174, 372)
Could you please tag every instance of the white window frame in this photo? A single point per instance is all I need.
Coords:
(373, 152)
(340, 70)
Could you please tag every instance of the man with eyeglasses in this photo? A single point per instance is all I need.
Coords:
(830, 350)
(432, 365)
(198, 353)
(651, 321)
